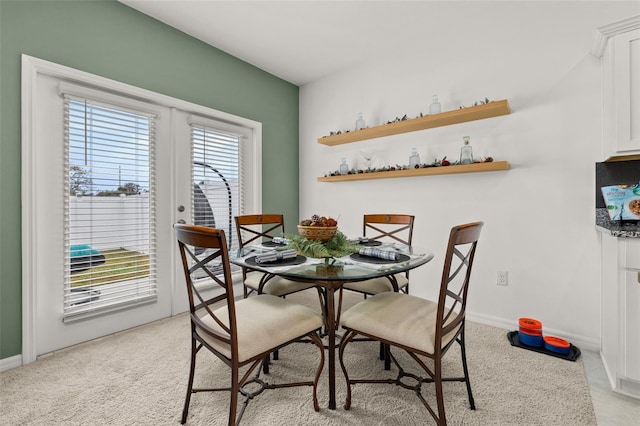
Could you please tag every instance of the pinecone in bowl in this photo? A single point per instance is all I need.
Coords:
(318, 228)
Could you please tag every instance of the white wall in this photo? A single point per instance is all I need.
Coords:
(539, 216)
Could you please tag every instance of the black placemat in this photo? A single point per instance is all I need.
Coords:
(371, 259)
(299, 259)
(574, 352)
(372, 243)
(272, 244)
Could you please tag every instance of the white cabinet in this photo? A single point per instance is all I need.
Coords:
(626, 68)
(610, 308)
(632, 254)
(631, 307)
(631, 303)
(619, 45)
(620, 350)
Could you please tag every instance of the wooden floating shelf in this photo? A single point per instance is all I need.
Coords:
(479, 112)
(629, 157)
(426, 171)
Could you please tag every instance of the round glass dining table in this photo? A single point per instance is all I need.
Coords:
(330, 275)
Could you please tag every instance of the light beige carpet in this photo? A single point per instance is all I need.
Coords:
(139, 377)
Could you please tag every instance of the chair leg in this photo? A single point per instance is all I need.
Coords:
(346, 338)
(387, 358)
(322, 295)
(265, 364)
(318, 342)
(384, 356)
(321, 299)
(192, 369)
(339, 308)
(463, 353)
(437, 380)
(235, 390)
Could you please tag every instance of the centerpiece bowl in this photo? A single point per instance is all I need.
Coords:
(321, 233)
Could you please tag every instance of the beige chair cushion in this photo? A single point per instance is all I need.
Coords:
(264, 322)
(397, 317)
(377, 285)
(276, 286)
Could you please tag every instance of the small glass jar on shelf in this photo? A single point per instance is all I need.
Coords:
(360, 124)
(435, 107)
(344, 167)
(414, 159)
(466, 152)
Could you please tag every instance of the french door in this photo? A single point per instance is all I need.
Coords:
(107, 170)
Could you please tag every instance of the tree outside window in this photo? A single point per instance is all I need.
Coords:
(80, 182)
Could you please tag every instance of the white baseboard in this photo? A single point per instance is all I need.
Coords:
(588, 343)
(610, 377)
(11, 362)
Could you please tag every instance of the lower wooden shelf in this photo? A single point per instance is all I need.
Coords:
(426, 171)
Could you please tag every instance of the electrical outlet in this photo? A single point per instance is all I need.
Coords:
(503, 278)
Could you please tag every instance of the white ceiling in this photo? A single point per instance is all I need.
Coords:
(303, 40)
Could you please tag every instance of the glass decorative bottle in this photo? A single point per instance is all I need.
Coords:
(435, 106)
(344, 167)
(360, 122)
(466, 153)
(414, 159)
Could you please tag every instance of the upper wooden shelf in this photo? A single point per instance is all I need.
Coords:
(425, 171)
(629, 157)
(479, 112)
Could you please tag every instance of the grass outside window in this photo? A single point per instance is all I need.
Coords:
(120, 265)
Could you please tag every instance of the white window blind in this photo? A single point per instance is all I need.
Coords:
(217, 179)
(109, 229)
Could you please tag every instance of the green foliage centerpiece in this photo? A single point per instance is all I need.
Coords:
(336, 246)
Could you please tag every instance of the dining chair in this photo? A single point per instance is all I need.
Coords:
(380, 228)
(240, 333)
(391, 228)
(255, 229)
(424, 329)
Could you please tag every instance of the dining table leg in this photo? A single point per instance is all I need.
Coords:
(331, 336)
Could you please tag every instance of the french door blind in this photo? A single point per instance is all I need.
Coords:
(109, 229)
(217, 179)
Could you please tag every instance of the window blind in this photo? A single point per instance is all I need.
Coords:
(109, 229)
(217, 179)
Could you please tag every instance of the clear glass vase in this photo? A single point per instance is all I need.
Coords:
(360, 122)
(435, 107)
(344, 167)
(466, 153)
(414, 159)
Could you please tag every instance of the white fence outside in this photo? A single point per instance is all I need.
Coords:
(110, 222)
(123, 222)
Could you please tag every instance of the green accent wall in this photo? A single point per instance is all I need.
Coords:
(111, 40)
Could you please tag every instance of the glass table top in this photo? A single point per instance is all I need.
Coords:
(346, 268)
